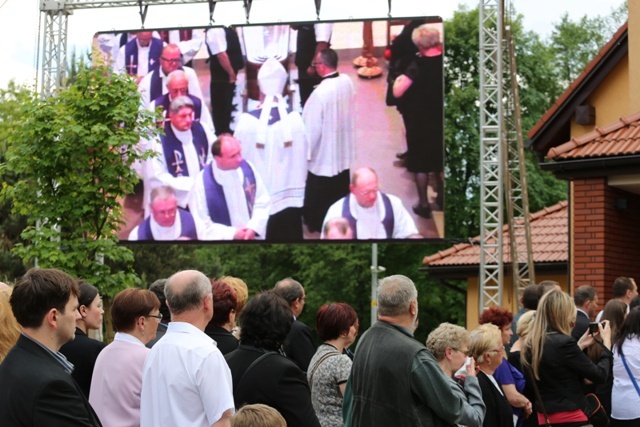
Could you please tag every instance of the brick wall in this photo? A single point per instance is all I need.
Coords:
(606, 241)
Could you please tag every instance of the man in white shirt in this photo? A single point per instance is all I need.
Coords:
(329, 117)
(154, 84)
(371, 213)
(140, 55)
(182, 151)
(185, 380)
(229, 199)
(167, 221)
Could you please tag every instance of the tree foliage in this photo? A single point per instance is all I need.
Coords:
(73, 152)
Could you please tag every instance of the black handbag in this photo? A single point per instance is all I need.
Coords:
(595, 411)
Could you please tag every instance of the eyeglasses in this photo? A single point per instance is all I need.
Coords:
(465, 352)
(157, 316)
(497, 350)
(315, 64)
(173, 61)
(368, 192)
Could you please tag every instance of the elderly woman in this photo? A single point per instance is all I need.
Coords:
(221, 326)
(261, 373)
(419, 93)
(556, 362)
(329, 369)
(485, 346)
(449, 344)
(83, 351)
(511, 380)
(117, 377)
(9, 327)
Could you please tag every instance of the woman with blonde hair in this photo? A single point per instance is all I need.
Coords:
(485, 346)
(9, 328)
(523, 327)
(555, 361)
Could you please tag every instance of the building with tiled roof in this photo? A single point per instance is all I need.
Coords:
(591, 137)
(550, 244)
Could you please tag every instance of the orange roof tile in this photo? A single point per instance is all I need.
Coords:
(616, 139)
(578, 81)
(549, 235)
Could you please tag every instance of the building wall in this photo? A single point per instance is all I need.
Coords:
(605, 240)
(509, 302)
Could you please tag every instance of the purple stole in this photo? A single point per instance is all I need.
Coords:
(165, 103)
(131, 55)
(187, 227)
(174, 152)
(217, 204)
(387, 221)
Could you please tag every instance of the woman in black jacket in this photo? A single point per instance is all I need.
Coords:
(558, 363)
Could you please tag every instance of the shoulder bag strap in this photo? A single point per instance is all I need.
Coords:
(255, 362)
(547, 423)
(318, 363)
(626, 366)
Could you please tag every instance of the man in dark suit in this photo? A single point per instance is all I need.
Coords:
(586, 300)
(299, 345)
(37, 388)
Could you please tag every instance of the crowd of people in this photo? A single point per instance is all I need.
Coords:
(275, 169)
(225, 359)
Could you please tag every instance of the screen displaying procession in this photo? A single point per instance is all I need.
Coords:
(288, 133)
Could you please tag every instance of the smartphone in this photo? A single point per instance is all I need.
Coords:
(593, 327)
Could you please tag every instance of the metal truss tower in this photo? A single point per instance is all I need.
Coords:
(491, 168)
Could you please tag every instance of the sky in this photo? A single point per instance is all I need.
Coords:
(20, 20)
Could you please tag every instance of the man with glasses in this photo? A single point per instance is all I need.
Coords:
(395, 380)
(185, 380)
(154, 84)
(167, 221)
(299, 345)
(371, 213)
(329, 117)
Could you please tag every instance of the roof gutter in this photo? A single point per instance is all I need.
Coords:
(592, 168)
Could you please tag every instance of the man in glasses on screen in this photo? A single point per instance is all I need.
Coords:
(154, 84)
(229, 200)
(370, 213)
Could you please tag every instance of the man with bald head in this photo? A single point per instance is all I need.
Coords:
(185, 380)
(229, 200)
(140, 55)
(154, 84)
(371, 213)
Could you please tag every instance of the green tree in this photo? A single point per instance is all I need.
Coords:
(73, 152)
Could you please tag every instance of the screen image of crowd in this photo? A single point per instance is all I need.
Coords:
(280, 133)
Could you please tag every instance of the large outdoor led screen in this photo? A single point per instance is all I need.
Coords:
(288, 132)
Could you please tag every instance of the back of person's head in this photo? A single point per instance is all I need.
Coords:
(395, 294)
(38, 291)
(9, 328)
(329, 57)
(87, 293)
(185, 291)
(525, 323)
(224, 301)
(131, 304)
(265, 321)
(426, 36)
(635, 302)
(333, 320)
(556, 312)
(446, 335)
(621, 285)
(615, 312)
(501, 317)
(257, 415)
(630, 329)
(584, 294)
(548, 285)
(157, 288)
(531, 295)
(240, 288)
(483, 340)
(289, 289)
